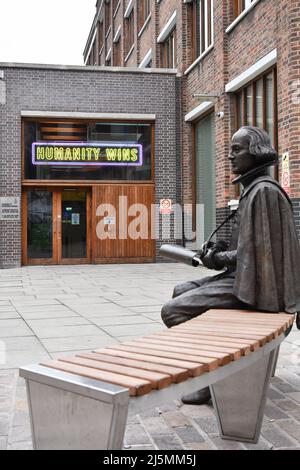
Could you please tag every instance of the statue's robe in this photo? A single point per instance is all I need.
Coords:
(267, 273)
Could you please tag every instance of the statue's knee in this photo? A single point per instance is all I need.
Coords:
(166, 314)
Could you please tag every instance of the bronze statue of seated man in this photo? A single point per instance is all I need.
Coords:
(261, 266)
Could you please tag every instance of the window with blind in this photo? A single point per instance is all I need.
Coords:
(100, 36)
(168, 51)
(143, 12)
(202, 26)
(240, 5)
(107, 15)
(256, 105)
(129, 32)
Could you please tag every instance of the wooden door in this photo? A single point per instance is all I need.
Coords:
(122, 223)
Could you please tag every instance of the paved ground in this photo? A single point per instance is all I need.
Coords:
(47, 311)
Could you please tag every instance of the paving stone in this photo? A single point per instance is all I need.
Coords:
(223, 444)
(135, 434)
(176, 419)
(286, 405)
(284, 387)
(156, 426)
(199, 446)
(141, 447)
(20, 433)
(21, 445)
(295, 396)
(142, 330)
(194, 412)
(273, 412)
(4, 424)
(167, 442)
(295, 414)
(274, 394)
(272, 433)
(188, 434)
(77, 342)
(292, 428)
(3, 443)
(208, 424)
(261, 445)
(121, 320)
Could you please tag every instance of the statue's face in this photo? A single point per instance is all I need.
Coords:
(239, 156)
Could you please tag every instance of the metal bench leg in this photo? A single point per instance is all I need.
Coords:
(275, 361)
(71, 412)
(239, 400)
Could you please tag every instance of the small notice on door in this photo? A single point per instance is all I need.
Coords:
(9, 208)
(75, 219)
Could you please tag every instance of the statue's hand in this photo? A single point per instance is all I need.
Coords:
(209, 259)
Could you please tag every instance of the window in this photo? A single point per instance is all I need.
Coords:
(51, 132)
(202, 26)
(240, 5)
(117, 53)
(256, 105)
(100, 36)
(168, 50)
(129, 32)
(143, 12)
(116, 4)
(107, 16)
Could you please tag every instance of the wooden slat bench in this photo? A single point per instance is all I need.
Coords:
(82, 402)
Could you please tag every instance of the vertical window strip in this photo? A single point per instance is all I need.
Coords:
(256, 105)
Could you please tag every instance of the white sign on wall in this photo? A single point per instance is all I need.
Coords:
(9, 208)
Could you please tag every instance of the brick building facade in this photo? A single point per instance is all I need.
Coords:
(64, 103)
(238, 61)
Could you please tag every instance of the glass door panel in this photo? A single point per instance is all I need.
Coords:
(40, 225)
(73, 224)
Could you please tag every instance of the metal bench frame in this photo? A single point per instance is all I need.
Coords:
(68, 411)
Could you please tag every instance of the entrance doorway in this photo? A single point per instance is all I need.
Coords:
(56, 226)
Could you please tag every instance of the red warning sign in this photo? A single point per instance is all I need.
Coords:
(165, 206)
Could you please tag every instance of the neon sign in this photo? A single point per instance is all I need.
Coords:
(87, 153)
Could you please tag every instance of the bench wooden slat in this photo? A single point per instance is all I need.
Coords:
(235, 352)
(271, 333)
(246, 347)
(190, 329)
(245, 314)
(254, 323)
(209, 362)
(136, 387)
(177, 374)
(223, 358)
(199, 327)
(194, 368)
(157, 380)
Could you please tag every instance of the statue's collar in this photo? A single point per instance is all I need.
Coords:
(251, 175)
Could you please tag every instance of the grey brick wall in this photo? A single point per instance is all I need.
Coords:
(91, 90)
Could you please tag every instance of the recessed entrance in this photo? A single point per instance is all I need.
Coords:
(56, 226)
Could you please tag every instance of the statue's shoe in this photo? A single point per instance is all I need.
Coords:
(197, 398)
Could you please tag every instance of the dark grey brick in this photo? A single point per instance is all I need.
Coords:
(188, 434)
(167, 442)
(273, 412)
(135, 434)
(208, 424)
(272, 433)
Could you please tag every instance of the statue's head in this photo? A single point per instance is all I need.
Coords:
(250, 147)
